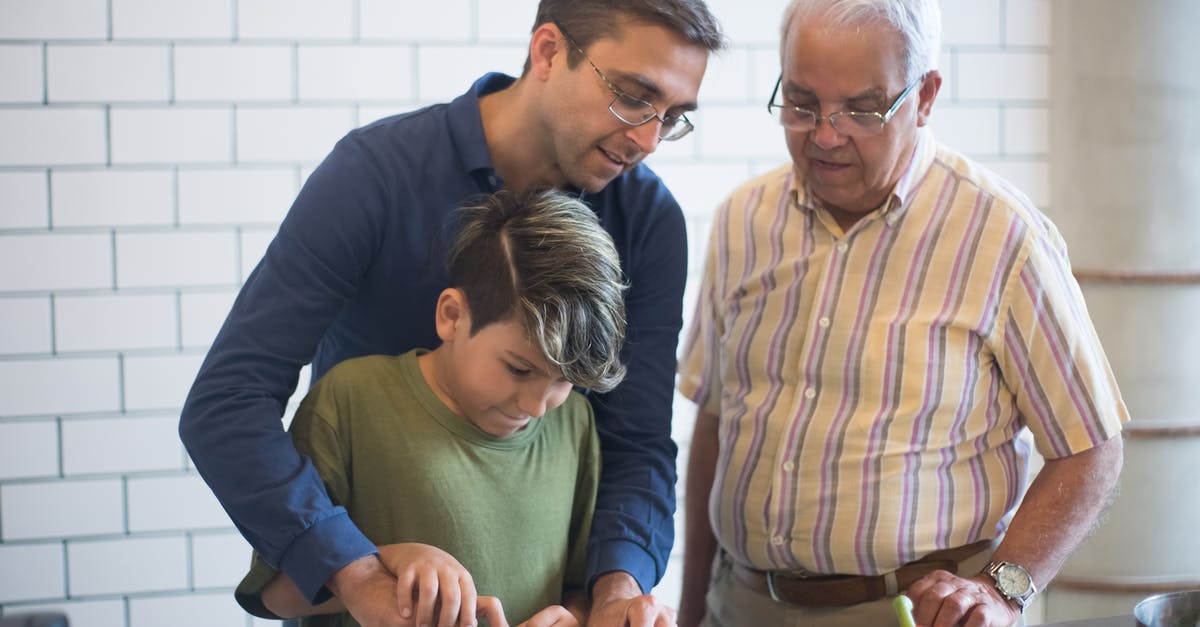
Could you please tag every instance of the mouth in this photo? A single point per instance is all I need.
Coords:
(827, 166)
(614, 158)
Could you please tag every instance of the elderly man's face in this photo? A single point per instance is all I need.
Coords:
(829, 70)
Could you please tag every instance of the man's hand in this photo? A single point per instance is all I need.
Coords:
(941, 599)
(441, 589)
(617, 601)
(368, 591)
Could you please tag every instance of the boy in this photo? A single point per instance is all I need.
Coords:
(439, 457)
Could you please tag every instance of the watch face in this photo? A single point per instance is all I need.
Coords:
(1012, 580)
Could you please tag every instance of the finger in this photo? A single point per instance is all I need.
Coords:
(427, 597)
(406, 594)
(490, 609)
(451, 599)
(466, 585)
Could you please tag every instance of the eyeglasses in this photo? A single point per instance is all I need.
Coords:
(635, 111)
(849, 123)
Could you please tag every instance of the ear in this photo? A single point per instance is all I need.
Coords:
(930, 86)
(544, 47)
(453, 318)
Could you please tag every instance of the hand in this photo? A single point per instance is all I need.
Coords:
(368, 591)
(442, 591)
(489, 609)
(941, 599)
(619, 602)
(553, 616)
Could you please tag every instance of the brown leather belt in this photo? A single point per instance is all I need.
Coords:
(842, 590)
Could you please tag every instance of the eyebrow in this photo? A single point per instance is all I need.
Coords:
(647, 85)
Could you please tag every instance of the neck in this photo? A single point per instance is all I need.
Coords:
(433, 369)
(515, 140)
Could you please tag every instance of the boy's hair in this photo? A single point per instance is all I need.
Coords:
(541, 258)
(587, 21)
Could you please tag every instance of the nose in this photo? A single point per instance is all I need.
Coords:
(535, 399)
(825, 135)
(645, 135)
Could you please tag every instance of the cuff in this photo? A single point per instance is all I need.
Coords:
(315, 555)
(613, 555)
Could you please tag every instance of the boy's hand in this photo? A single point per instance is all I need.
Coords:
(432, 588)
(490, 610)
(553, 616)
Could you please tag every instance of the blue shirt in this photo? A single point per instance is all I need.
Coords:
(355, 269)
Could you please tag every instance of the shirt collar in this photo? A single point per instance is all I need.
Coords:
(466, 127)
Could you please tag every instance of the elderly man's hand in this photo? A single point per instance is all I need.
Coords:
(942, 599)
(617, 601)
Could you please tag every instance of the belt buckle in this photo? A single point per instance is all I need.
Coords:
(775, 592)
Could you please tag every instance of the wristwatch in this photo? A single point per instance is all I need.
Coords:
(1013, 582)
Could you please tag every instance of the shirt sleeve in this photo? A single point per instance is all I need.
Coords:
(1051, 356)
(633, 528)
(231, 420)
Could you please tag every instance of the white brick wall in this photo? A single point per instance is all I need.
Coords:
(150, 149)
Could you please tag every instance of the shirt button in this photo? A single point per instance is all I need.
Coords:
(810, 393)
(492, 181)
(824, 322)
(778, 540)
(789, 466)
(842, 247)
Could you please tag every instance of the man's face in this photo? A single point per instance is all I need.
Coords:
(830, 70)
(591, 147)
(497, 379)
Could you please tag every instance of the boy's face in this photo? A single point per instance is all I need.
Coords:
(495, 378)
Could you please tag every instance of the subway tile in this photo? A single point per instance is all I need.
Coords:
(23, 200)
(100, 613)
(176, 258)
(290, 134)
(52, 136)
(446, 72)
(420, 21)
(200, 609)
(31, 571)
(112, 198)
(233, 72)
(53, 19)
(700, 188)
(59, 261)
(970, 130)
(127, 565)
(28, 448)
(35, 386)
(114, 322)
(355, 73)
(171, 503)
(1030, 175)
(26, 324)
(131, 444)
(750, 23)
(1027, 22)
(1026, 130)
(219, 559)
(171, 19)
(727, 80)
(254, 245)
(159, 382)
(107, 73)
(1003, 76)
(171, 135)
(201, 316)
(728, 131)
(295, 19)
(505, 22)
(974, 23)
(236, 195)
(61, 509)
(22, 69)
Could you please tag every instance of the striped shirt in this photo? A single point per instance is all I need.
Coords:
(871, 385)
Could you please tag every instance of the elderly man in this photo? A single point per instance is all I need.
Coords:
(879, 323)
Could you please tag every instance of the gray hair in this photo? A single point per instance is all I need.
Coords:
(541, 258)
(918, 22)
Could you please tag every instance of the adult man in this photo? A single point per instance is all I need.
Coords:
(355, 269)
(879, 321)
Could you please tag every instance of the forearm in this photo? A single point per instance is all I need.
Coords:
(285, 600)
(1060, 508)
(700, 545)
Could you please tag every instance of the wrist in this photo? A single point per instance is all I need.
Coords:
(614, 585)
(1012, 582)
(350, 575)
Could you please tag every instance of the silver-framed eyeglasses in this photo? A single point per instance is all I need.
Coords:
(849, 123)
(635, 111)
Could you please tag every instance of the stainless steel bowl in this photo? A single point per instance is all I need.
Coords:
(1173, 609)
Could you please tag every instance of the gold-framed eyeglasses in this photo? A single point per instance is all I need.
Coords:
(634, 111)
(849, 123)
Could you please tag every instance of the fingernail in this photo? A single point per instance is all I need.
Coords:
(406, 612)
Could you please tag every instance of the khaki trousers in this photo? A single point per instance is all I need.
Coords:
(729, 603)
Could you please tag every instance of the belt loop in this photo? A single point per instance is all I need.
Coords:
(890, 585)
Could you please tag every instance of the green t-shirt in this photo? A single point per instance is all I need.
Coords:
(515, 511)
